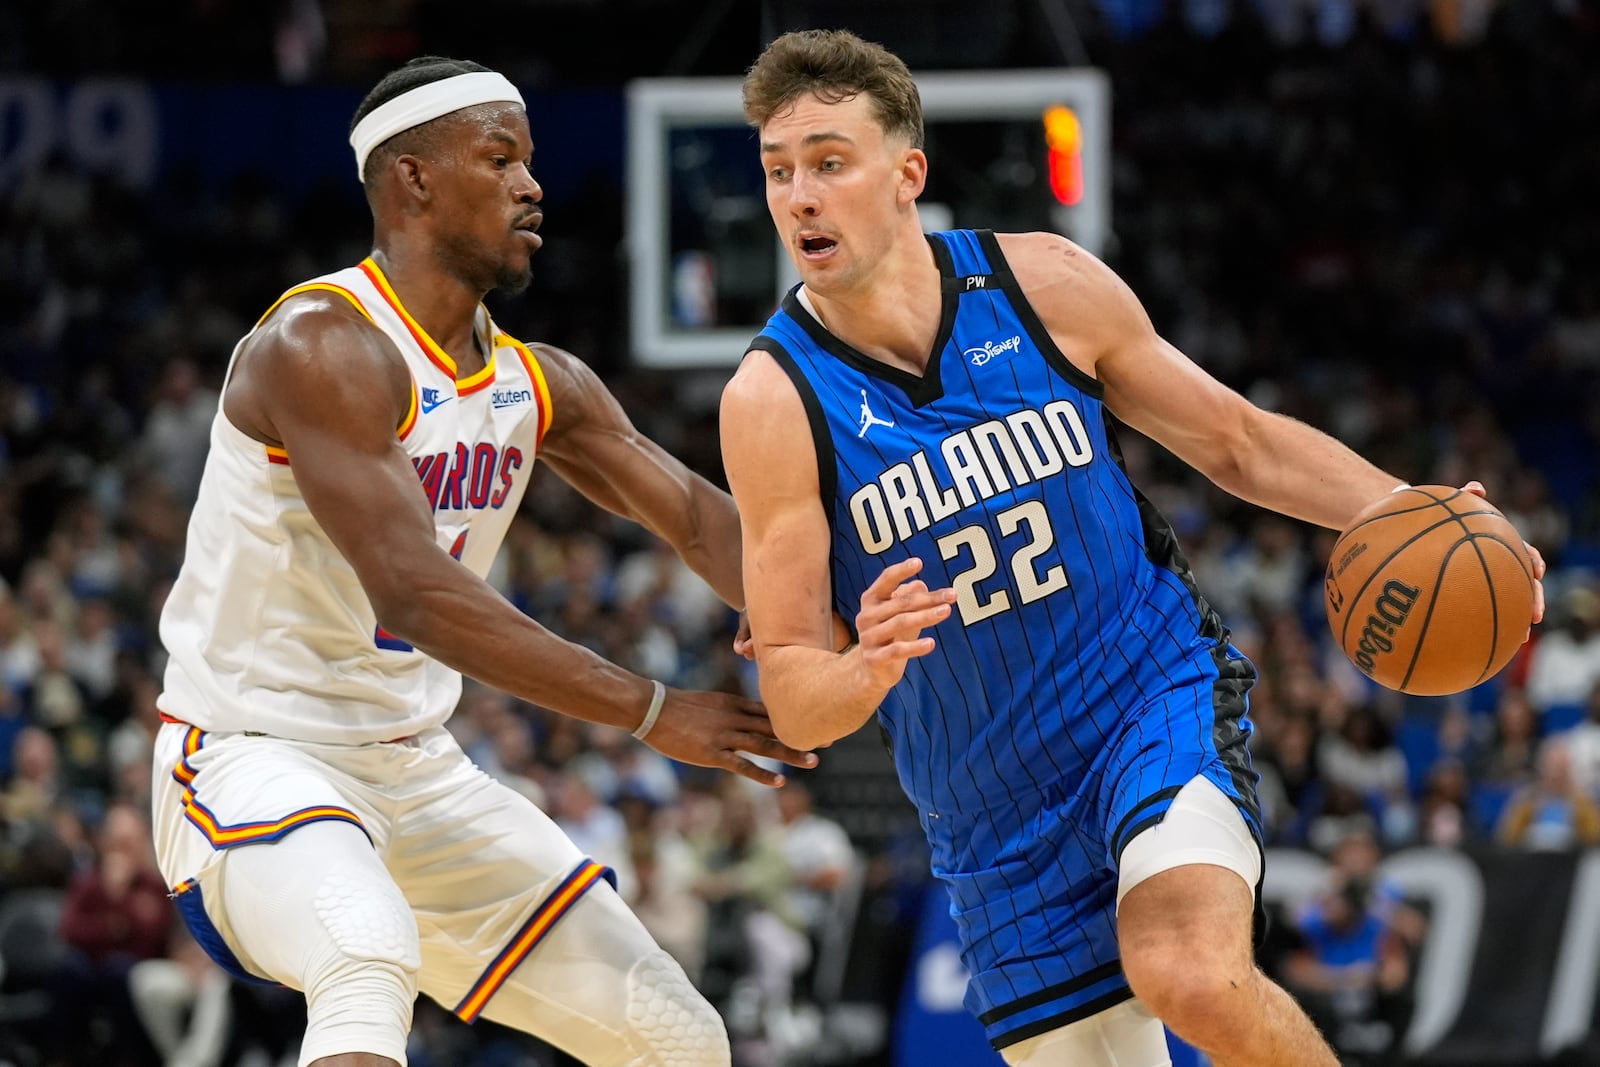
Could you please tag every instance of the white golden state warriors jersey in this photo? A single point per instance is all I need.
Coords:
(267, 627)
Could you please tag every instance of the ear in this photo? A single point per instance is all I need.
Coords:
(913, 175)
(414, 177)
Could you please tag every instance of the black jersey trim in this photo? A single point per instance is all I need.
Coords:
(1030, 318)
(1055, 1022)
(821, 436)
(1049, 993)
(922, 389)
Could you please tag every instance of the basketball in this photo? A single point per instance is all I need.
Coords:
(1430, 591)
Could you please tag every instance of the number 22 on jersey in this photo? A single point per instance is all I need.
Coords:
(975, 543)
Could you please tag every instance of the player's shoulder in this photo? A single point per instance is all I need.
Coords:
(1070, 288)
(318, 335)
(759, 383)
(315, 320)
(761, 398)
(1039, 258)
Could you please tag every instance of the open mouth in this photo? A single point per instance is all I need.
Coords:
(817, 245)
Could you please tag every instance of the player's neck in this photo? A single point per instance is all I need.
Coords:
(441, 303)
(891, 315)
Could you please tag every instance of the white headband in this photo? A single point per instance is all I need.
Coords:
(426, 103)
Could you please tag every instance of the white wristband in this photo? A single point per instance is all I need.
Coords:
(657, 698)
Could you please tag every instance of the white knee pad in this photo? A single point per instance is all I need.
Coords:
(670, 1019)
(318, 912)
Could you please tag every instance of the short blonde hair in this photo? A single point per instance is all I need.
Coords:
(835, 65)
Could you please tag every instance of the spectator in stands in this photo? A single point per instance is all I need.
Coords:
(1351, 972)
(91, 649)
(1584, 744)
(35, 782)
(1536, 516)
(55, 699)
(118, 909)
(1269, 575)
(178, 432)
(1553, 813)
(1512, 753)
(669, 908)
(818, 853)
(183, 1001)
(116, 913)
(1353, 968)
(19, 656)
(1564, 665)
(1291, 792)
(1360, 756)
(1459, 737)
(745, 880)
(1443, 820)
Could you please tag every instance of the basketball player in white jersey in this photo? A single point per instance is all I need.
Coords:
(319, 826)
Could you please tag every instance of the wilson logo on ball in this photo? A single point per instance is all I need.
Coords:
(1389, 613)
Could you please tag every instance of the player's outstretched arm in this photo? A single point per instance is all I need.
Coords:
(321, 382)
(814, 692)
(1259, 456)
(1265, 458)
(594, 447)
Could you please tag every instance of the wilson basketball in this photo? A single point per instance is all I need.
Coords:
(1430, 591)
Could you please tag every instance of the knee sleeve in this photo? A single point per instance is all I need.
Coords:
(1201, 826)
(670, 1018)
(318, 912)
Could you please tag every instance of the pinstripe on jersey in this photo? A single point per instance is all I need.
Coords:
(1081, 680)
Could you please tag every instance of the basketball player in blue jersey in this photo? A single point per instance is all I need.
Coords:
(919, 441)
(319, 826)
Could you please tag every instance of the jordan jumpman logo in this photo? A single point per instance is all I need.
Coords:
(868, 419)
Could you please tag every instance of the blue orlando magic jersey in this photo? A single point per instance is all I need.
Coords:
(1079, 681)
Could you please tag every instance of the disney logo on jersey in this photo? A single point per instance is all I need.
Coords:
(991, 349)
(510, 398)
(431, 399)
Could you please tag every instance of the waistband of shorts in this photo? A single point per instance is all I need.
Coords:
(173, 720)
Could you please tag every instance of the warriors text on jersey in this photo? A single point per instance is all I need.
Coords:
(1080, 680)
(267, 627)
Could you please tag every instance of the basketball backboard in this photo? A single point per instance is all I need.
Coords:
(1007, 150)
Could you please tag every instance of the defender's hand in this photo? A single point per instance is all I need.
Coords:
(717, 730)
(895, 609)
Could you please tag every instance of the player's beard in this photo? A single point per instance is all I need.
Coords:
(466, 259)
(513, 281)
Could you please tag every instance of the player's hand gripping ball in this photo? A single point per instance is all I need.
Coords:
(1430, 591)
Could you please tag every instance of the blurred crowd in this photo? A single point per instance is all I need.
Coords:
(1378, 217)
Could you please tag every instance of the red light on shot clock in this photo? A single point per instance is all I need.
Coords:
(1063, 137)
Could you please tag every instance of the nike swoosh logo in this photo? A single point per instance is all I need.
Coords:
(428, 406)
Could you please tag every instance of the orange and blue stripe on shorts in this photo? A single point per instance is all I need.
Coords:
(544, 917)
(222, 835)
